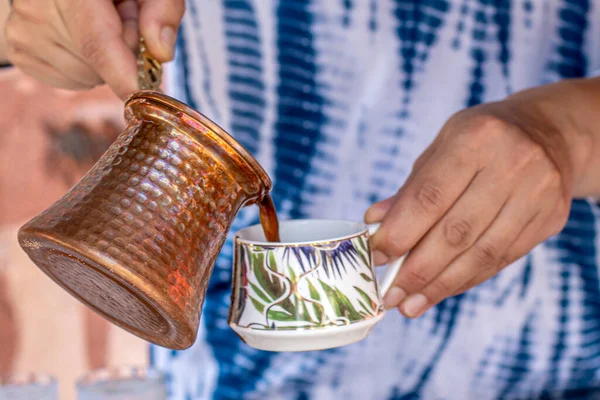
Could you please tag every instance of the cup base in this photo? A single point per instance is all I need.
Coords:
(306, 339)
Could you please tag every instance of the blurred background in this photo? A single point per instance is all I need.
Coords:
(49, 139)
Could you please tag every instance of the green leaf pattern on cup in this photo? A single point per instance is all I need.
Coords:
(305, 287)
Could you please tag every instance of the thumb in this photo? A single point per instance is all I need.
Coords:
(378, 211)
(159, 21)
(97, 31)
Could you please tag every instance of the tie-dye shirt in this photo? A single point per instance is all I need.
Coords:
(336, 99)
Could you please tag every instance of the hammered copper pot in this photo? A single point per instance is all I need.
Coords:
(136, 239)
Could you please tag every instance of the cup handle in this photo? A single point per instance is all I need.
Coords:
(386, 281)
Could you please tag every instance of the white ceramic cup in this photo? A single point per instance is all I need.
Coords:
(314, 290)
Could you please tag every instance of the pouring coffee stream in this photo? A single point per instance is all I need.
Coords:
(150, 78)
(137, 237)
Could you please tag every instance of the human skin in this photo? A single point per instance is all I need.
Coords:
(77, 45)
(4, 10)
(498, 179)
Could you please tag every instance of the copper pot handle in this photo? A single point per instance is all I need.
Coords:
(149, 69)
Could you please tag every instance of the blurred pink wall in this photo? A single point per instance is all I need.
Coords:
(48, 140)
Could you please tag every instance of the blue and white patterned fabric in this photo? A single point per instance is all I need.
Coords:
(337, 98)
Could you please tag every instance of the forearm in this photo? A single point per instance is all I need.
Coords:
(4, 11)
(572, 107)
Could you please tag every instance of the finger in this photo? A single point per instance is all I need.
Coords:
(34, 23)
(42, 71)
(550, 220)
(459, 228)
(537, 192)
(128, 11)
(97, 32)
(71, 65)
(23, 34)
(377, 212)
(486, 255)
(520, 247)
(159, 22)
(434, 189)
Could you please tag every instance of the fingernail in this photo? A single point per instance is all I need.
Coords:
(379, 258)
(168, 37)
(414, 305)
(393, 297)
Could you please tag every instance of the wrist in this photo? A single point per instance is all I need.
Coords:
(560, 117)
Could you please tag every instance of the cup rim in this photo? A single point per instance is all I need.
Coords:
(362, 228)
